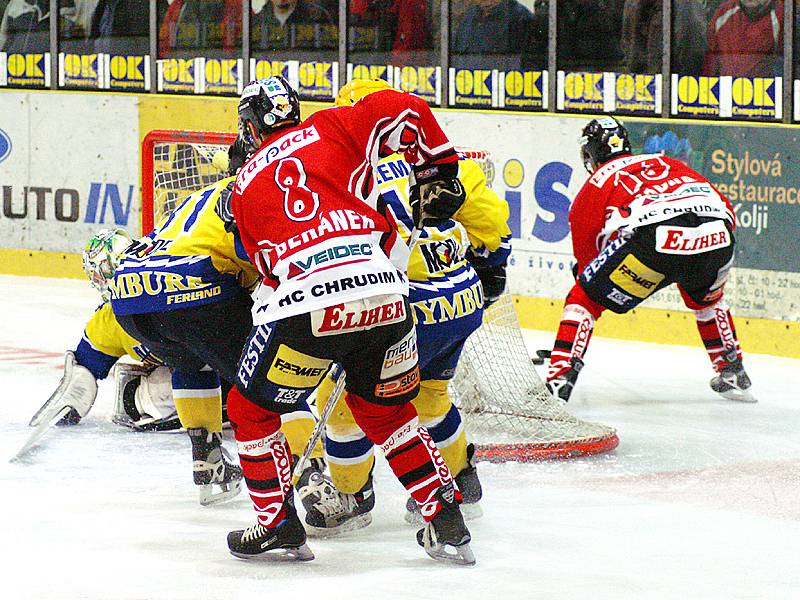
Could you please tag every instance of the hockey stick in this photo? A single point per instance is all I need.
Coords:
(41, 429)
(337, 374)
(416, 232)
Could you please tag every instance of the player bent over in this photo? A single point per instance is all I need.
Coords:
(640, 223)
(456, 266)
(313, 222)
(182, 290)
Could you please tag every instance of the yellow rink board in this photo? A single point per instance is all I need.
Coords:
(762, 336)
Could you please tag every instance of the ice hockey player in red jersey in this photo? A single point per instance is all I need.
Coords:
(639, 224)
(312, 220)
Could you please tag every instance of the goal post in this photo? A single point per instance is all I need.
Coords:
(507, 411)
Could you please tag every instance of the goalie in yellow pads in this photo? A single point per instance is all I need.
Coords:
(456, 268)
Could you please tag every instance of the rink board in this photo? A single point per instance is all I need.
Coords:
(73, 166)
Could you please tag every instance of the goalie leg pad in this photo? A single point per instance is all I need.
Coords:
(77, 390)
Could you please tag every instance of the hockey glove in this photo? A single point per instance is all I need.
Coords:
(436, 194)
(493, 278)
(224, 209)
(238, 154)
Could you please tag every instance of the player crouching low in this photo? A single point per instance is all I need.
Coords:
(313, 222)
(439, 276)
(149, 397)
(639, 224)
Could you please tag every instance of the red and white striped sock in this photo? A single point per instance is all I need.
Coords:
(267, 468)
(718, 332)
(413, 456)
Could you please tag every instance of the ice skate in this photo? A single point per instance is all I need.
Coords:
(329, 512)
(471, 491)
(446, 538)
(286, 542)
(561, 386)
(219, 479)
(733, 383)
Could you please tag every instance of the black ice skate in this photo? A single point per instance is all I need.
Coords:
(561, 386)
(471, 491)
(213, 467)
(446, 538)
(285, 542)
(733, 383)
(329, 512)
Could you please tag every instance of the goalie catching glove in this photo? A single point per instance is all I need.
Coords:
(436, 193)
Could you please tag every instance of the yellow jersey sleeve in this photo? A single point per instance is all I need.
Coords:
(484, 214)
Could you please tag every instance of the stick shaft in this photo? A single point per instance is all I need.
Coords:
(338, 375)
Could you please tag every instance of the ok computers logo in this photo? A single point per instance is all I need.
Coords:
(5, 145)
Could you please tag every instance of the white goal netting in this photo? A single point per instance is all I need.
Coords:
(507, 410)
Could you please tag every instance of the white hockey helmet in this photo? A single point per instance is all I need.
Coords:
(101, 257)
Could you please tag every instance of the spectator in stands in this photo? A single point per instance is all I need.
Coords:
(25, 27)
(502, 27)
(589, 34)
(200, 26)
(745, 39)
(289, 24)
(642, 36)
(403, 24)
(121, 27)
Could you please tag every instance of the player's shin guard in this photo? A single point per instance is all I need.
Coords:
(718, 333)
(417, 463)
(267, 467)
(572, 340)
(264, 455)
(717, 330)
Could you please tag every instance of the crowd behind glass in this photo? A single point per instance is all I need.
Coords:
(708, 37)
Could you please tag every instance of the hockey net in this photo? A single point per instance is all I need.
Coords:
(508, 413)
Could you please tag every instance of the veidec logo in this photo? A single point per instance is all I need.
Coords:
(105, 203)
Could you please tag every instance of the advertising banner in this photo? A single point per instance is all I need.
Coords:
(609, 92)
(222, 76)
(84, 71)
(58, 189)
(737, 97)
(261, 68)
(523, 90)
(539, 171)
(128, 73)
(493, 88)
(422, 81)
(359, 71)
(180, 75)
(318, 80)
(25, 70)
(474, 88)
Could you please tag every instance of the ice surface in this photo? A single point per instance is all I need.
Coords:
(700, 500)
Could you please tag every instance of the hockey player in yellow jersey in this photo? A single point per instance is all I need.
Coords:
(148, 396)
(456, 268)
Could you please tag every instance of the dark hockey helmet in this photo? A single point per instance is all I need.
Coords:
(268, 104)
(603, 139)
